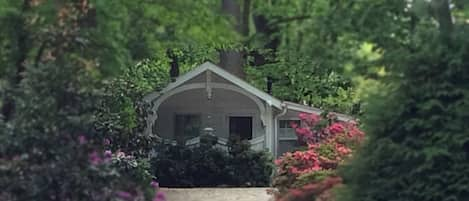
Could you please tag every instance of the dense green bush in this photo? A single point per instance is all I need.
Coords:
(419, 132)
(208, 166)
(49, 147)
(120, 117)
(50, 151)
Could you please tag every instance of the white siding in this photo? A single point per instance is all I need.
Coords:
(224, 103)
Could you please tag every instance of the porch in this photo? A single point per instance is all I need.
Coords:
(225, 113)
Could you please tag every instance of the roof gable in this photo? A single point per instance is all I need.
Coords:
(208, 66)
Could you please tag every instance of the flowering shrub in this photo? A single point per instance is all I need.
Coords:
(311, 172)
(81, 171)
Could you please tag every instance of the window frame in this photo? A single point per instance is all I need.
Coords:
(175, 126)
(287, 133)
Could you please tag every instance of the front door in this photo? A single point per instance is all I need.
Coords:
(241, 127)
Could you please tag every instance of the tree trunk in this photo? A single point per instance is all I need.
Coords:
(442, 14)
(267, 31)
(232, 60)
(8, 107)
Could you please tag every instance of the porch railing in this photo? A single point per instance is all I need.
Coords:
(222, 143)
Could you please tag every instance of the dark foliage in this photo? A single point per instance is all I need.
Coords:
(208, 166)
(418, 127)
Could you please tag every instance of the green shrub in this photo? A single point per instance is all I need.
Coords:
(419, 133)
(120, 117)
(249, 167)
(208, 166)
(49, 150)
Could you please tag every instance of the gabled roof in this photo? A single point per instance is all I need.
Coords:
(269, 99)
(308, 109)
(208, 66)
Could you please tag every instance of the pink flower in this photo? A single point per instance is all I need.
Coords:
(342, 149)
(160, 196)
(82, 139)
(316, 167)
(107, 153)
(154, 184)
(303, 131)
(124, 195)
(94, 158)
(120, 154)
(336, 128)
(310, 119)
(107, 156)
(303, 116)
(278, 161)
(293, 125)
(107, 141)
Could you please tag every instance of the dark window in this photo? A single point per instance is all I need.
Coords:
(285, 128)
(187, 126)
(241, 127)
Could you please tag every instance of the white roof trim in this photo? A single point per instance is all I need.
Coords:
(219, 71)
(307, 109)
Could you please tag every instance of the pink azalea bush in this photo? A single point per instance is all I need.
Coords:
(128, 166)
(311, 172)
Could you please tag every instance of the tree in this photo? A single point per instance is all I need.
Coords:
(57, 59)
(418, 145)
(302, 51)
(114, 34)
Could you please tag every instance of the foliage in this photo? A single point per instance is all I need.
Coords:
(86, 173)
(249, 167)
(45, 153)
(418, 145)
(329, 143)
(158, 25)
(122, 112)
(64, 80)
(208, 166)
(306, 54)
(57, 58)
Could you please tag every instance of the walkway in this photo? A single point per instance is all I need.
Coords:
(216, 194)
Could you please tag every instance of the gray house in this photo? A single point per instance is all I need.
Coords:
(211, 100)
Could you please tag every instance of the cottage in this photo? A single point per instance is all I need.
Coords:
(211, 100)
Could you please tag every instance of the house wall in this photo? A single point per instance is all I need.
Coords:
(224, 103)
(287, 143)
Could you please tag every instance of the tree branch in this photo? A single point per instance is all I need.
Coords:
(290, 19)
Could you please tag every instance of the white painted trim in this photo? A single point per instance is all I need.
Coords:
(152, 118)
(276, 118)
(269, 129)
(257, 140)
(222, 141)
(244, 85)
(307, 109)
(208, 77)
(207, 66)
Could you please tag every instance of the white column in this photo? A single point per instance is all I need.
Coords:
(269, 129)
